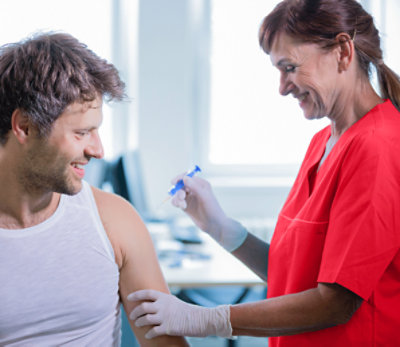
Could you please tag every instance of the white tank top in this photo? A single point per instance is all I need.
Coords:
(59, 280)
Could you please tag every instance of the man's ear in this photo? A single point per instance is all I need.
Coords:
(345, 51)
(20, 125)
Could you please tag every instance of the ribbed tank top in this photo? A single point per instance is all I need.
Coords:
(59, 280)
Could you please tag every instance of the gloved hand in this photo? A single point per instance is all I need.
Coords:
(171, 316)
(199, 202)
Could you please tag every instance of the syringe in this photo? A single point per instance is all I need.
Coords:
(179, 185)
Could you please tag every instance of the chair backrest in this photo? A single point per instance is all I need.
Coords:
(134, 182)
(96, 172)
(116, 178)
(125, 176)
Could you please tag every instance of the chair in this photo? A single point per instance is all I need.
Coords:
(96, 171)
(125, 176)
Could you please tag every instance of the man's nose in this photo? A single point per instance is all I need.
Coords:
(95, 148)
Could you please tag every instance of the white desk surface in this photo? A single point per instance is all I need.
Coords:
(209, 265)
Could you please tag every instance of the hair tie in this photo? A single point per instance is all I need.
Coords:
(354, 35)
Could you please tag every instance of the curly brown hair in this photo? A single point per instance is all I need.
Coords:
(45, 73)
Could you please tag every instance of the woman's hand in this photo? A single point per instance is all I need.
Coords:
(170, 316)
(199, 202)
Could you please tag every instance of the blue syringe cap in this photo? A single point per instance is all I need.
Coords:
(196, 169)
(179, 185)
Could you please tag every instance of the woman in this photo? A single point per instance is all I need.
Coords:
(334, 260)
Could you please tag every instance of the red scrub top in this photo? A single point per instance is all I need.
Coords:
(341, 224)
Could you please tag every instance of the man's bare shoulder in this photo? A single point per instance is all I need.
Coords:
(114, 209)
(124, 226)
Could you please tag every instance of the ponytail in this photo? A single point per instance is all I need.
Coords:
(389, 83)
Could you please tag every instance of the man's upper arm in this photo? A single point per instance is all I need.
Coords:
(135, 256)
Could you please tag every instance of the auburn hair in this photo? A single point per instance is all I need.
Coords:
(320, 21)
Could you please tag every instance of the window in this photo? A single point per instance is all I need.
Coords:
(251, 124)
(385, 14)
(251, 128)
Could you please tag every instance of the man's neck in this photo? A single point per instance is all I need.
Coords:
(19, 206)
(22, 211)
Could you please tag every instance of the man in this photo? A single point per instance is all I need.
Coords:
(69, 253)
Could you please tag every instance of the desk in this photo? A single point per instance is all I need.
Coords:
(199, 265)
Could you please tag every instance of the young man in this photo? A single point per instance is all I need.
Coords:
(69, 253)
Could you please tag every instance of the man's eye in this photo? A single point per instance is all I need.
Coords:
(290, 68)
(82, 133)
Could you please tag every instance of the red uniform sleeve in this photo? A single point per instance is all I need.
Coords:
(364, 230)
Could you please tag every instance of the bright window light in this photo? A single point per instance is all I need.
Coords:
(250, 123)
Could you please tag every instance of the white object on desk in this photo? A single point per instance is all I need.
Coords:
(216, 268)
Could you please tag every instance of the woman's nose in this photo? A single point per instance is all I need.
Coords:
(285, 85)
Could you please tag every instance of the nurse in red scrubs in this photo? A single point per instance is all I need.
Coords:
(333, 266)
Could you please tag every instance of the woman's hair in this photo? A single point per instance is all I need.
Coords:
(44, 74)
(320, 21)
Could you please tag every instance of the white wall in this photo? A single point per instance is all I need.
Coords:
(165, 122)
(168, 107)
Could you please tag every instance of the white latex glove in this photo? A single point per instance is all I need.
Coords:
(171, 316)
(199, 202)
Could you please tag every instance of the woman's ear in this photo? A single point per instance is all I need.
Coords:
(346, 51)
(20, 125)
